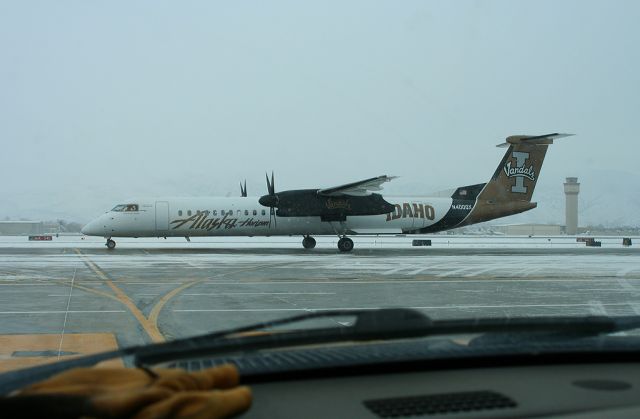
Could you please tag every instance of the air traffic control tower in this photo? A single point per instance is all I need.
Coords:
(571, 190)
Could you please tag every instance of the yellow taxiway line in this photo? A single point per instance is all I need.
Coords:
(149, 326)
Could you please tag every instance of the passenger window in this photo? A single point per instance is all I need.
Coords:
(221, 212)
(264, 212)
(255, 212)
(189, 213)
(246, 212)
(180, 213)
(215, 212)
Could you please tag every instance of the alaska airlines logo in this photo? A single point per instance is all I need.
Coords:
(412, 211)
(520, 172)
(201, 221)
(333, 203)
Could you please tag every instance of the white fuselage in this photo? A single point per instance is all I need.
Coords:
(246, 217)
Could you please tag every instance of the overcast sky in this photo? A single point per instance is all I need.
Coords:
(102, 101)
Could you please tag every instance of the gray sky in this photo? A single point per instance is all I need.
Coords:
(102, 101)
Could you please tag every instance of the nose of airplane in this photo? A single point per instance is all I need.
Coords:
(93, 228)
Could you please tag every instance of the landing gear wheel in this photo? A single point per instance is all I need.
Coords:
(110, 244)
(308, 242)
(345, 244)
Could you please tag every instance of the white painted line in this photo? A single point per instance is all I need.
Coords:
(530, 271)
(62, 311)
(260, 293)
(597, 308)
(66, 314)
(452, 307)
(623, 272)
(417, 271)
(394, 270)
(193, 265)
(624, 283)
(434, 281)
(267, 309)
(143, 283)
(29, 285)
(357, 281)
(455, 271)
(604, 289)
(481, 271)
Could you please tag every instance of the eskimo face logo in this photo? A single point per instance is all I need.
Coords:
(520, 171)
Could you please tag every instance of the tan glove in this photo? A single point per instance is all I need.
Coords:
(132, 393)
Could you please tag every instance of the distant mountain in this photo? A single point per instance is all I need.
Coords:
(607, 198)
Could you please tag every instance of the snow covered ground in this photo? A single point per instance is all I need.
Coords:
(326, 242)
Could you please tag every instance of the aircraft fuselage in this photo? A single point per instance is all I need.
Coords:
(246, 217)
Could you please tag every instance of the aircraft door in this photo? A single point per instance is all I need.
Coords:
(419, 212)
(162, 217)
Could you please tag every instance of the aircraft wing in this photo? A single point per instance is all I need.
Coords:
(360, 188)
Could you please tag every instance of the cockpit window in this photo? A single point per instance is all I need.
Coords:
(125, 207)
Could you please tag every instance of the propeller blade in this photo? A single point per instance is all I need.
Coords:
(271, 199)
(243, 190)
(273, 184)
(268, 184)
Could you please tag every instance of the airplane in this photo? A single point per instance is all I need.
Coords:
(346, 210)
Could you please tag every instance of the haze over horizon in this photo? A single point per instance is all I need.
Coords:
(103, 102)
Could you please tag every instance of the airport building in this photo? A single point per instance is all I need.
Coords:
(27, 228)
(529, 229)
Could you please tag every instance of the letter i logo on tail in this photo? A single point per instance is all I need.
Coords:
(520, 171)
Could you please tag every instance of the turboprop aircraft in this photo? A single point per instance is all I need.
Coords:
(346, 210)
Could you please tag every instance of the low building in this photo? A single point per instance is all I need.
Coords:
(21, 228)
(529, 229)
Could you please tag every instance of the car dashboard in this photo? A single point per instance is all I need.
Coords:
(441, 378)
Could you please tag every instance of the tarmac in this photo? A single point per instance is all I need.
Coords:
(72, 296)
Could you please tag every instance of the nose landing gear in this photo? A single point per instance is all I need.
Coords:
(111, 244)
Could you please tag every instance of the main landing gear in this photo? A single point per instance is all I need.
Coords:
(345, 244)
(308, 242)
(111, 244)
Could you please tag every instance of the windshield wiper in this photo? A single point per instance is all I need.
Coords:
(376, 324)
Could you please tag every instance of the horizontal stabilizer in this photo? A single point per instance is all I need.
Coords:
(533, 140)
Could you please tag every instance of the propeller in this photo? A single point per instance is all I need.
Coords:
(270, 200)
(243, 189)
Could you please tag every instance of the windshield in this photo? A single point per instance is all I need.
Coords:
(125, 207)
(376, 125)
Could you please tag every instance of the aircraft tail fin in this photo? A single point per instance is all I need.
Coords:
(511, 187)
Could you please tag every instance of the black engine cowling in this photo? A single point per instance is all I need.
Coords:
(308, 203)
